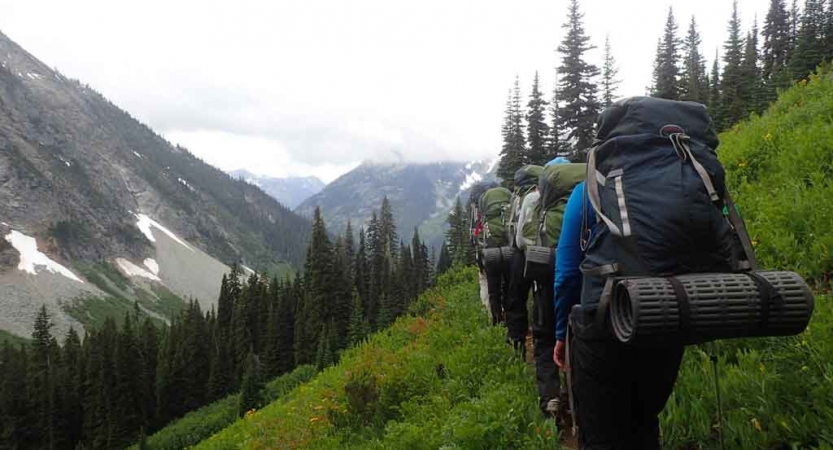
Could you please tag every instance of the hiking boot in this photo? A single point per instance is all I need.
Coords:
(553, 407)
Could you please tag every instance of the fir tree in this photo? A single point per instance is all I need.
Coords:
(809, 50)
(359, 328)
(733, 104)
(577, 86)
(536, 126)
(693, 82)
(444, 260)
(776, 48)
(752, 83)
(252, 384)
(558, 146)
(44, 389)
(715, 96)
(609, 73)
(667, 69)
(510, 159)
(457, 234)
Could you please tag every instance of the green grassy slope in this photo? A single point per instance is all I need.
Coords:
(202, 423)
(777, 393)
(442, 379)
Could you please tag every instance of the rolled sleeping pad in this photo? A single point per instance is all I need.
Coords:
(496, 258)
(706, 307)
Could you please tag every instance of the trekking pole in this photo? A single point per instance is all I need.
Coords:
(713, 357)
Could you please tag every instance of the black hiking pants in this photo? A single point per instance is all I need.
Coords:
(619, 392)
(498, 281)
(543, 342)
(517, 319)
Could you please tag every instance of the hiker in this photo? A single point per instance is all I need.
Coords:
(475, 232)
(524, 201)
(538, 229)
(650, 206)
(495, 253)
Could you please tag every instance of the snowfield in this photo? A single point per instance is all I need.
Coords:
(31, 258)
(145, 223)
(132, 270)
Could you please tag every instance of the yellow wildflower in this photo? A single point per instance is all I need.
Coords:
(742, 164)
(761, 367)
(756, 424)
(768, 137)
(755, 243)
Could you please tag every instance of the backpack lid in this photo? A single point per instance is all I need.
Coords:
(493, 201)
(558, 181)
(478, 189)
(656, 116)
(527, 176)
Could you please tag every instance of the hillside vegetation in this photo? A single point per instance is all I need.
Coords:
(443, 378)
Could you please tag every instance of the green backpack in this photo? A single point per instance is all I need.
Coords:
(494, 205)
(526, 180)
(555, 186)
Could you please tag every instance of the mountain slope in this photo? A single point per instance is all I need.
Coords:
(290, 191)
(80, 177)
(421, 195)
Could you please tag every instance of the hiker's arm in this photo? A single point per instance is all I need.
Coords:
(568, 260)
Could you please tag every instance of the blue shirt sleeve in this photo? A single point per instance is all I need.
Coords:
(569, 255)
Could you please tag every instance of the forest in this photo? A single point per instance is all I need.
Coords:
(119, 383)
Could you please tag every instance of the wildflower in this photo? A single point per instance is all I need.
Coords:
(755, 242)
(768, 137)
(742, 164)
(756, 424)
(314, 419)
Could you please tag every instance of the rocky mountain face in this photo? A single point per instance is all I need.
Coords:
(85, 187)
(290, 191)
(421, 195)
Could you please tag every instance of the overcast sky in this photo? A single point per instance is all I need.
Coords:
(313, 87)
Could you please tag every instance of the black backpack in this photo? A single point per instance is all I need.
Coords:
(658, 192)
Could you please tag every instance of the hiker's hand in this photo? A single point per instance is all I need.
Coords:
(558, 355)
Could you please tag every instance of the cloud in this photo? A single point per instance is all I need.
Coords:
(295, 85)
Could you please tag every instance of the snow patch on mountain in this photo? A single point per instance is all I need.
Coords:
(132, 270)
(152, 265)
(145, 223)
(31, 258)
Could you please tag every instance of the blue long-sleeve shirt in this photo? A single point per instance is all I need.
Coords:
(568, 275)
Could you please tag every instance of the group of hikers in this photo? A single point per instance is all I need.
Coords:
(650, 201)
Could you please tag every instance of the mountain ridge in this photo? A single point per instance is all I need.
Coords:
(289, 191)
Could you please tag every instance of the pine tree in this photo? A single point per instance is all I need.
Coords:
(693, 82)
(536, 126)
(752, 83)
(127, 358)
(809, 50)
(456, 236)
(359, 328)
(340, 295)
(318, 281)
(444, 261)
(667, 70)
(17, 429)
(733, 105)
(577, 87)
(516, 131)
(350, 251)
(44, 389)
(558, 146)
(252, 384)
(149, 353)
(71, 414)
(715, 96)
(510, 159)
(776, 48)
(609, 73)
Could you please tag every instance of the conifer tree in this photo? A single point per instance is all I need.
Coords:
(16, 428)
(667, 69)
(350, 251)
(558, 146)
(71, 411)
(44, 367)
(456, 236)
(609, 73)
(537, 130)
(776, 48)
(693, 82)
(577, 86)
(318, 281)
(715, 96)
(127, 358)
(252, 384)
(751, 75)
(733, 104)
(340, 294)
(510, 158)
(444, 261)
(149, 352)
(809, 50)
(359, 328)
